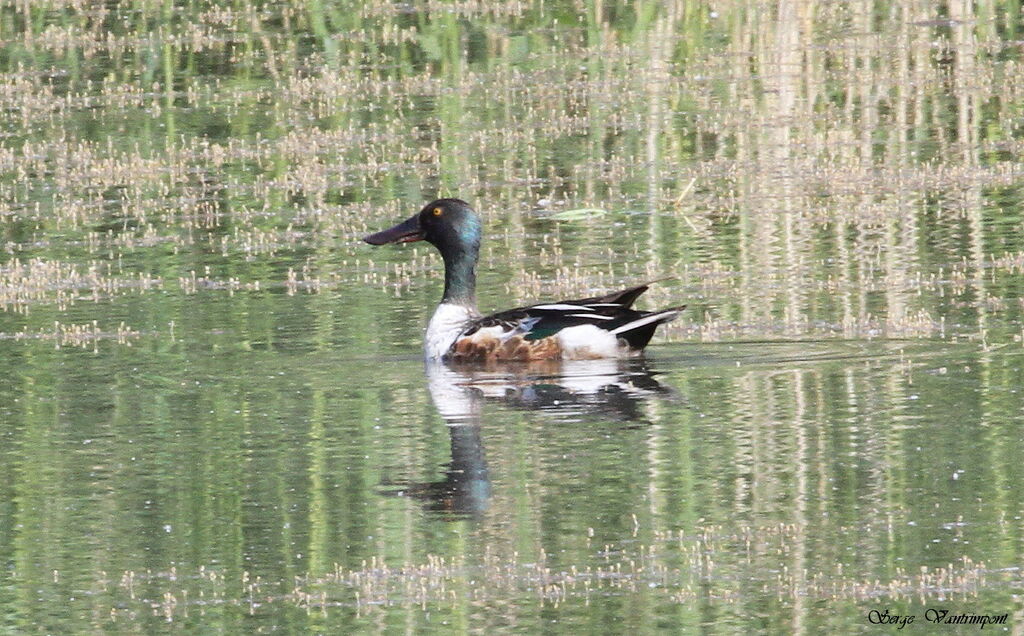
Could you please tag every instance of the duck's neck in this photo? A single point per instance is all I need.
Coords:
(460, 278)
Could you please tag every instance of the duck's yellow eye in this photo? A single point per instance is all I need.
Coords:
(437, 211)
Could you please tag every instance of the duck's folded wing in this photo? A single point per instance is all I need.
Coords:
(590, 327)
(545, 320)
(623, 298)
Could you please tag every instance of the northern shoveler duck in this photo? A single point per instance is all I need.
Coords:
(588, 328)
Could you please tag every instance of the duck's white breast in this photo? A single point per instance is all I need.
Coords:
(447, 323)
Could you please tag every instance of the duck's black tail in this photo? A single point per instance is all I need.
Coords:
(639, 332)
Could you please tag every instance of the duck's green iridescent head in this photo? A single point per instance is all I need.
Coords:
(449, 224)
(454, 229)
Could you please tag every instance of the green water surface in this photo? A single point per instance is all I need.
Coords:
(214, 412)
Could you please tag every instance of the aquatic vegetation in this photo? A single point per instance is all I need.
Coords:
(209, 384)
(678, 569)
(269, 130)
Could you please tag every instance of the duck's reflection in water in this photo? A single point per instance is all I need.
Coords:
(569, 391)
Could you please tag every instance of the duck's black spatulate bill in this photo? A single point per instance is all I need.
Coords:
(405, 232)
